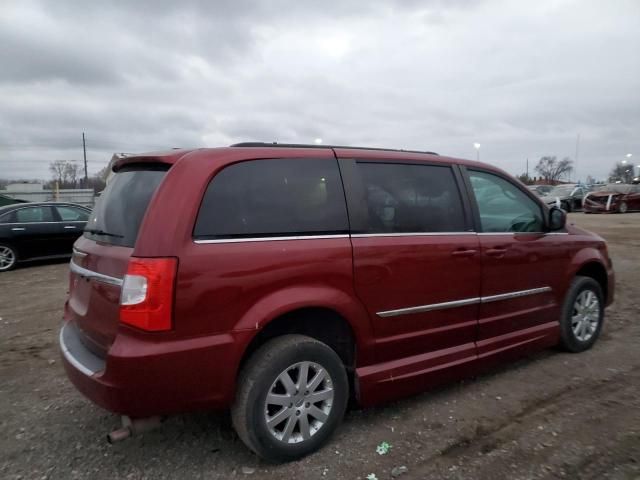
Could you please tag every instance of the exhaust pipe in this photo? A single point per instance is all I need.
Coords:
(135, 426)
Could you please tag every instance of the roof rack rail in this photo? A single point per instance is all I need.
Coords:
(304, 145)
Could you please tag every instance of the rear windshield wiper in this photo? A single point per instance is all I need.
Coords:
(102, 232)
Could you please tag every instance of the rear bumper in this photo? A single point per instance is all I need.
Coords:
(141, 378)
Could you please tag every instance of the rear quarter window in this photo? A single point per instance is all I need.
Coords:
(274, 197)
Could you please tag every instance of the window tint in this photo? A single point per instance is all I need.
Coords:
(72, 214)
(34, 214)
(503, 206)
(404, 198)
(274, 197)
(119, 210)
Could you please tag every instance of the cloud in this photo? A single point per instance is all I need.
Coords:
(523, 80)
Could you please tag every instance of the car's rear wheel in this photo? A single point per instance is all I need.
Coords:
(623, 207)
(292, 395)
(582, 315)
(8, 257)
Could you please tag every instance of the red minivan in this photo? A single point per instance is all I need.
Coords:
(281, 281)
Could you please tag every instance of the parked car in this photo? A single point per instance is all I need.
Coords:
(282, 281)
(540, 190)
(613, 198)
(568, 197)
(35, 231)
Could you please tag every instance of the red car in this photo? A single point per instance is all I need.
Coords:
(282, 281)
(613, 198)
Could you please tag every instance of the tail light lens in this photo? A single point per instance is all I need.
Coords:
(146, 299)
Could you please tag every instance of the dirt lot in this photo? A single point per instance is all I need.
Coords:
(556, 415)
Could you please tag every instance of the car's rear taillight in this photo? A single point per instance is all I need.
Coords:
(146, 299)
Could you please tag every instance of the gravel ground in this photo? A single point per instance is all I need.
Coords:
(554, 415)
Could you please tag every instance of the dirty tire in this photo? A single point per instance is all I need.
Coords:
(623, 207)
(257, 380)
(8, 257)
(569, 340)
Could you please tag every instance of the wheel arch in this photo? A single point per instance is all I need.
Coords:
(326, 314)
(322, 323)
(596, 270)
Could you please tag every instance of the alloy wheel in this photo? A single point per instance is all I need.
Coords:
(299, 402)
(7, 258)
(586, 315)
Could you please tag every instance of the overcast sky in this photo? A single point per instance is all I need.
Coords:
(523, 79)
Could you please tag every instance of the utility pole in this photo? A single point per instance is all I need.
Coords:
(84, 151)
(575, 163)
(528, 168)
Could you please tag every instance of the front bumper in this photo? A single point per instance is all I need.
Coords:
(141, 378)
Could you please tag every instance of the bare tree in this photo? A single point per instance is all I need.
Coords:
(58, 170)
(71, 172)
(103, 173)
(622, 173)
(65, 172)
(552, 169)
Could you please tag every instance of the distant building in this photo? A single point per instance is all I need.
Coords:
(35, 192)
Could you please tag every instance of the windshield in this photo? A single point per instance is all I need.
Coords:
(615, 188)
(119, 211)
(562, 190)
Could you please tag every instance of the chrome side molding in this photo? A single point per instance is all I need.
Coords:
(429, 308)
(509, 295)
(463, 302)
(270, 239)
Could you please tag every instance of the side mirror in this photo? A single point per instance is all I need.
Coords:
(557, 218)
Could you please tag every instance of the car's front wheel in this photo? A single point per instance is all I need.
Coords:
(8, 257)
(582, 315)
(623, 207)
(292, 395)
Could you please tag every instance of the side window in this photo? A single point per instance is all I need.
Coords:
(406, 198)
(277, 197)
(503, 206)
(72, 214)
(34, 215)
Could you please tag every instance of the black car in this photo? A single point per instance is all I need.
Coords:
(568, 197)
(33, 231)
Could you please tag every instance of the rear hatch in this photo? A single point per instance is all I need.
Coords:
(102, 254)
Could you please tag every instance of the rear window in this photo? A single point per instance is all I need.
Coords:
(119, 211)
(275, 197)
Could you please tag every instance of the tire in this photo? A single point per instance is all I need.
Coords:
(278, 359)
(566, 206)
(8, 257)
(580, 330)
(623, 207)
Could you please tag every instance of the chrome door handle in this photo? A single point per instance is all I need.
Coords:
(69, 226)
(18, 229)
(463, 253)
